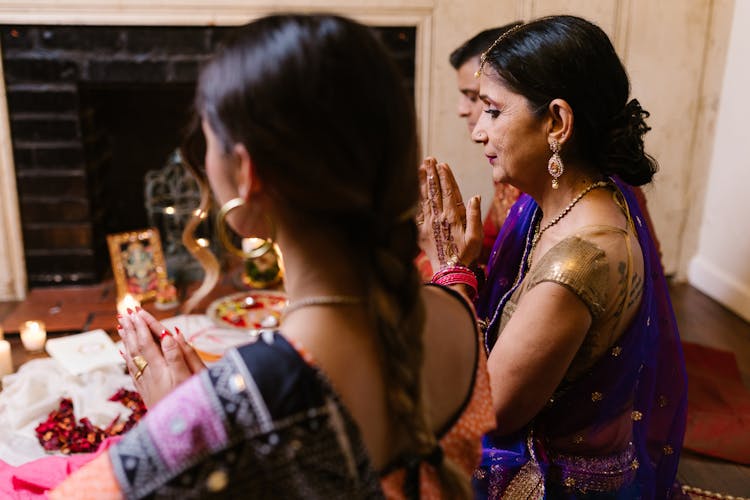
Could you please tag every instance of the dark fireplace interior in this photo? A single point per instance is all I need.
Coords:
(92, 109)
(157, 113)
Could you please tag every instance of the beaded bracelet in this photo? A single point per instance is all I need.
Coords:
(457, 275)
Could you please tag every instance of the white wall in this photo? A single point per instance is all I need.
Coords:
(721, 267)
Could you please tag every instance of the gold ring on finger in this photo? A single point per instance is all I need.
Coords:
(140, 363)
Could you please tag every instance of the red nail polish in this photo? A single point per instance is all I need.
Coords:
(119, 316)
(121, 353)
(130, 311)
(177, 330)
(138, 309)
(165, 333)
(119, 327)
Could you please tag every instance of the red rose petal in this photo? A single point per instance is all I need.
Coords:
(60, 431)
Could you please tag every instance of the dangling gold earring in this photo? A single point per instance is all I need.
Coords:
(226, 241)
(555, 165)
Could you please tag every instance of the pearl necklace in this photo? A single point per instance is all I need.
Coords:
(539, 232)
(322, 300)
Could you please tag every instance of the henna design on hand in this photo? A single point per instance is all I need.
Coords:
(436, 226)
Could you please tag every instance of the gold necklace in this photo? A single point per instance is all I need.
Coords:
(539, 232)
(322, 300)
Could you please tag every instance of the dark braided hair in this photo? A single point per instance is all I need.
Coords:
(332, 132)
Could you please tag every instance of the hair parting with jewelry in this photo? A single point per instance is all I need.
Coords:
(502, 36)
(570, 58)
(321, 108)
(478, 44)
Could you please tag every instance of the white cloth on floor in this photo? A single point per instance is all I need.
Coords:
(29, 395)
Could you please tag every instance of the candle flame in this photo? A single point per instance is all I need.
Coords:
(127, 302)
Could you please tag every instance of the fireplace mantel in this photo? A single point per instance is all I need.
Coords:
(180, 13)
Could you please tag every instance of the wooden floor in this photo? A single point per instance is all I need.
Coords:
(703, 321)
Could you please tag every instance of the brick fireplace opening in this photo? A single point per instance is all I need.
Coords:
(92, 109)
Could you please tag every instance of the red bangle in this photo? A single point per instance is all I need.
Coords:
(457, 275)
(457, 268)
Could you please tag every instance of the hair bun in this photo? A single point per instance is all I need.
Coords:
(633, 116)
(624, 152)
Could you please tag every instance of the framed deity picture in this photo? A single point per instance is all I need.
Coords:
(137, 263)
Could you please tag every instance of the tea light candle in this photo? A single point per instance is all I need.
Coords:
(6, 360)
(250, 244)
(127, 302)
(33, 335)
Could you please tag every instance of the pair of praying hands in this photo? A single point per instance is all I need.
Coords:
(157, 359)
(450, 232)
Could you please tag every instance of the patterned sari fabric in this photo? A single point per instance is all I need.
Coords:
(643, 373)
(264, 422)
(260, 423)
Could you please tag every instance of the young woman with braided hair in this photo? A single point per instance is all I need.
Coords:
(309, 130)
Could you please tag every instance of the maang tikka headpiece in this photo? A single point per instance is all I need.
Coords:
(486, 53)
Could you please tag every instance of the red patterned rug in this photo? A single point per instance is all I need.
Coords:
(718, 422)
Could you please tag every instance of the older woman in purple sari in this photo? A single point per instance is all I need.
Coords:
(588, 379)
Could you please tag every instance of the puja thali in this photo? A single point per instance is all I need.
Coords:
(250, 310)
(230, 321)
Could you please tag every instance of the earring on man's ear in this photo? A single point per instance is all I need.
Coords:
(223, 233)
(555, 165)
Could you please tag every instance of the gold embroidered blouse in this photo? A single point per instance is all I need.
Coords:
(596, 266)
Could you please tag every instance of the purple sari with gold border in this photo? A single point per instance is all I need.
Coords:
(645, 368)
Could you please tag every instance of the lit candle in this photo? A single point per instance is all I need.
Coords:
(127, 302)
(264, 270)
(33, 335)
(6, 360)
(250, 244)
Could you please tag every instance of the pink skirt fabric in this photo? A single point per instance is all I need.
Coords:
(34, 479)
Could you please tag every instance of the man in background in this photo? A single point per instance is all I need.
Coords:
(465, 60)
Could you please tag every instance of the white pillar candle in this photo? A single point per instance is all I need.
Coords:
(33, 335)
(127, 302)
(6, 360)
(250, 244)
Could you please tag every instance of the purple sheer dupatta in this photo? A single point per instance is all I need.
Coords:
(645, 370)
(508, 255)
